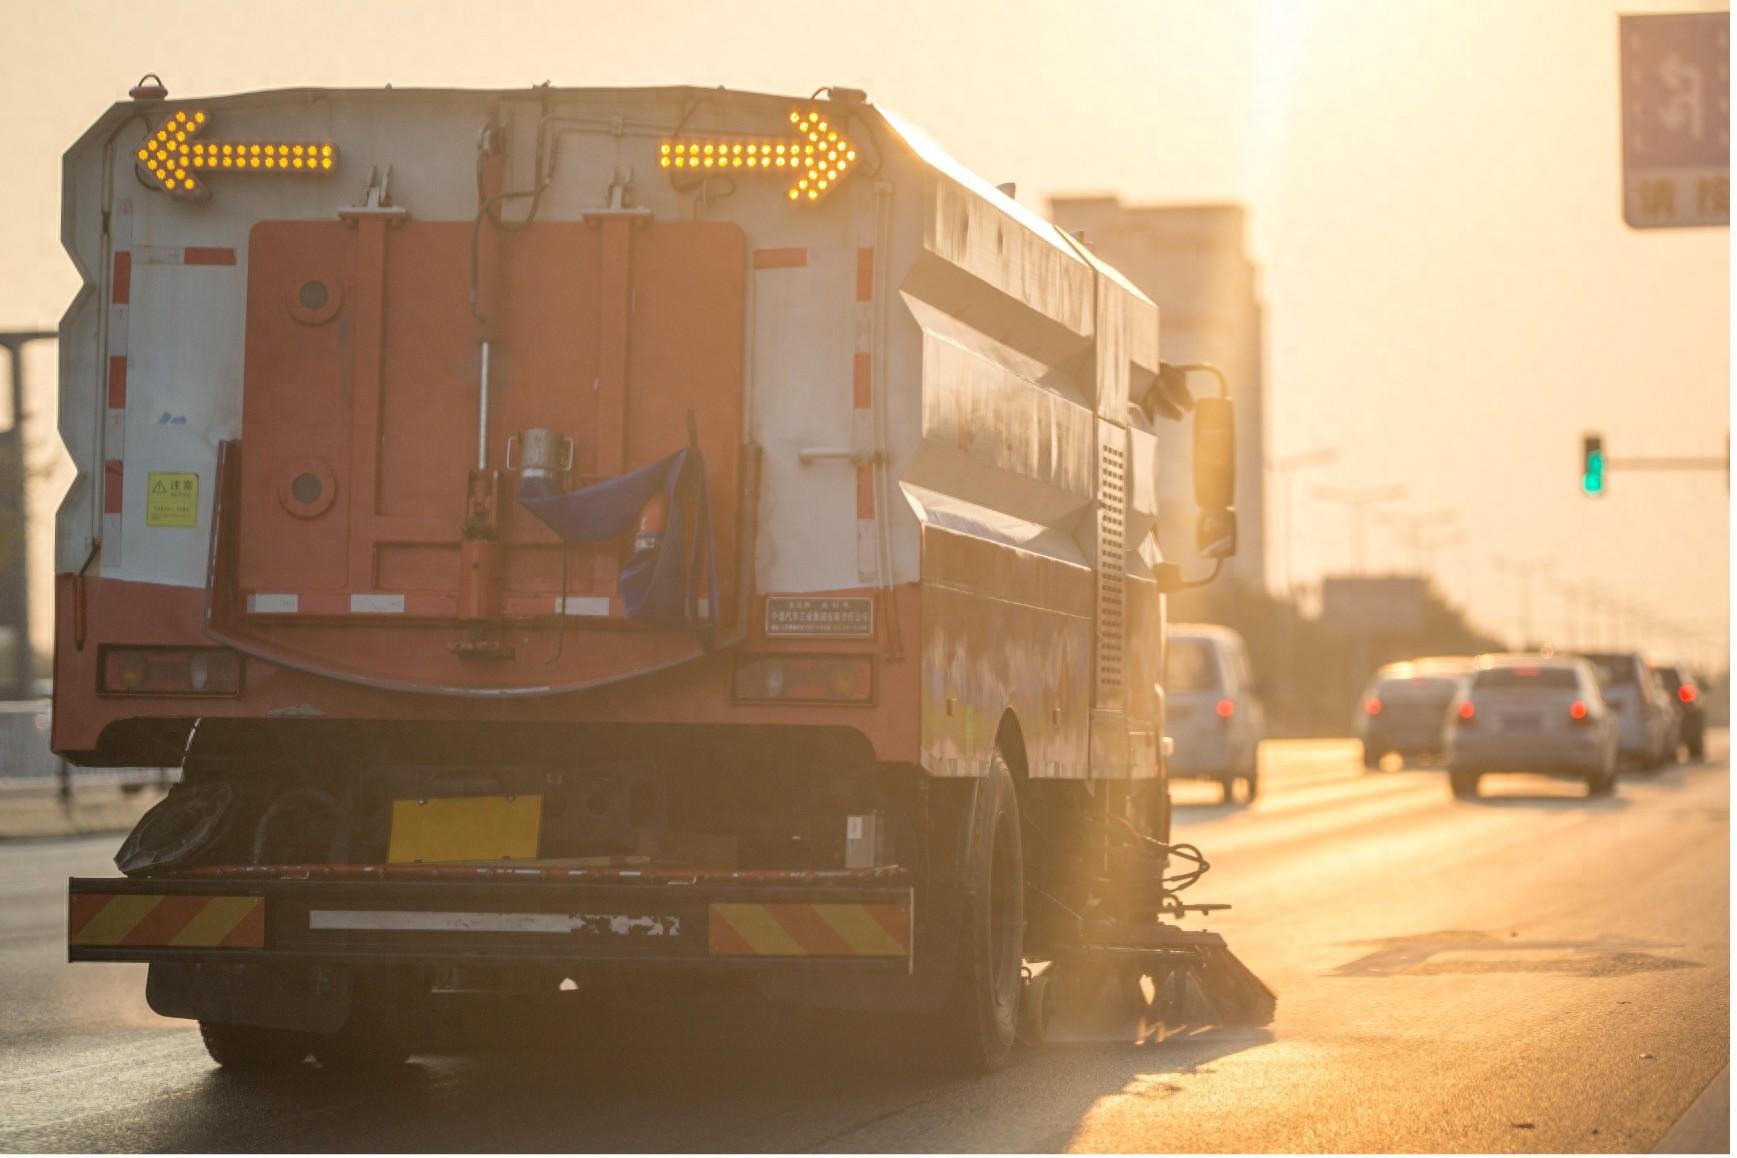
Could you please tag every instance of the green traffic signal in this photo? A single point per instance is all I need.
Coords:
(1592, 465)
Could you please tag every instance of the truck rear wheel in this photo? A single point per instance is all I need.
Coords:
(387, 1015)
(252, 1047)
(982, 1014)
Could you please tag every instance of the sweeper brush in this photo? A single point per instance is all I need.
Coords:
(1139, 978)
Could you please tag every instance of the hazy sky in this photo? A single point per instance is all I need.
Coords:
(1452, 297)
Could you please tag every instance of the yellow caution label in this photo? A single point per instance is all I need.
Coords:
(172, 499)
(465, 828)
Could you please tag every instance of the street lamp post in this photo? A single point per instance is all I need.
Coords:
(15, 555)
(1524, 571)
(1283, 468)
(1359, 500)
(1410, 529)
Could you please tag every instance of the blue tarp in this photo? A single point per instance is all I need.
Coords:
(657, 582)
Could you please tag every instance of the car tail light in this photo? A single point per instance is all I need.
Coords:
(170, 671)
(1372, 706)
(823, 679)
(1466, 712)
(1577, 711)
(1226, 709)
(1686, 694)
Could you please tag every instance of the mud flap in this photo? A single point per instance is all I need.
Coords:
(304, 997)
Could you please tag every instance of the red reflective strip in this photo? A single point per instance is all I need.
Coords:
(896, 920)
(865, 492)
(249, 933)
(722, 939)
(112, 481)
(207, 255)
(168, 917)
(122, 291)
(323, 603)
(780, 258)
(859, 382)
(81, 907)
(118, 382)
(430, 605)
(865, 274)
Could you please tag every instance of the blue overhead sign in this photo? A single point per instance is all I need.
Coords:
(1676, 119)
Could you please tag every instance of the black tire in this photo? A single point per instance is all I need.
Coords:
(1227, 790)
(387, 1016)
(1371, 759)
(1464, 783)
(1253, 780)
(981, 1018)
(1697, 749)
(253, 1048)
(1601, 783)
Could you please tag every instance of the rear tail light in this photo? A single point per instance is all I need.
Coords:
(1577, 711)
(1466, 712)
(1226, 709)
(1686, 694)
(1372, 706)
(170, 671)
(813, 679)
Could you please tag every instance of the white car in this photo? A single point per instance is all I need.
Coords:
(1211, 708)
(1532, 713)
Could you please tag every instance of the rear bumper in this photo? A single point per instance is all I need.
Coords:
(827, 923)
(1571, 755)
(1404, 738)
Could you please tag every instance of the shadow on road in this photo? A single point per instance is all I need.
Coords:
(749, 1077)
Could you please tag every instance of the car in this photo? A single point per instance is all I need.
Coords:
(1405, 708)
(1644, 715)
(1213, 710)
(1691, 718)
(1532, 713)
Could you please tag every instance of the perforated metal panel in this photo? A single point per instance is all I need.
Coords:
(1112, 515)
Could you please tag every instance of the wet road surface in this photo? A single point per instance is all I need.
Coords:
(1530, 971)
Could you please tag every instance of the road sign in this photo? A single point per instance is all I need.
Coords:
(1676, 119)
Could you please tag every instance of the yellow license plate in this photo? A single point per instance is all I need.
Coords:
(465, 828)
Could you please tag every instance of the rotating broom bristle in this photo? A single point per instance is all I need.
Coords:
(1239, 999)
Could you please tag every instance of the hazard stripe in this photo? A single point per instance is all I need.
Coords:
(216, 919)
(140, 920)
(756, 925)
(862, 929)
(795, 930)
(112, 920)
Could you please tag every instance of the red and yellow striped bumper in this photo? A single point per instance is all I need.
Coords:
(809, 930)
(147, 920)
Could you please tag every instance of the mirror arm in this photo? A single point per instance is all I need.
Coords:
(1171, 581)
(1207, 368)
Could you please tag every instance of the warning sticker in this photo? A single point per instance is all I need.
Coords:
(172, 499)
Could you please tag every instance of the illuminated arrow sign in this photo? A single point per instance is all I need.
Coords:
(816, 156)
(174, 161)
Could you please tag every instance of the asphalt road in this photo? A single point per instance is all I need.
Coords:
(1531, 971)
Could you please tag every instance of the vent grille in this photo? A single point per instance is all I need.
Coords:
(1112, 563)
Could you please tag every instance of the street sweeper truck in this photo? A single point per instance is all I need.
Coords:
(572, 534)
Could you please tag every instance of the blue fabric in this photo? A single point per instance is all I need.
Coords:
(657, 582)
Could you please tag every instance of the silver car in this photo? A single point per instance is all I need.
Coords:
(1645, 716)
(1212, 708)
(1532, 713)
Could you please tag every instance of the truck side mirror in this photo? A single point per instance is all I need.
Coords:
(1215, 454)
(1215, 533)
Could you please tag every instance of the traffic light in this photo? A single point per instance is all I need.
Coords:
(1592, 465)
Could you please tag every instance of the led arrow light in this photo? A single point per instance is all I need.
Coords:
(817, 156)
(173, 160)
